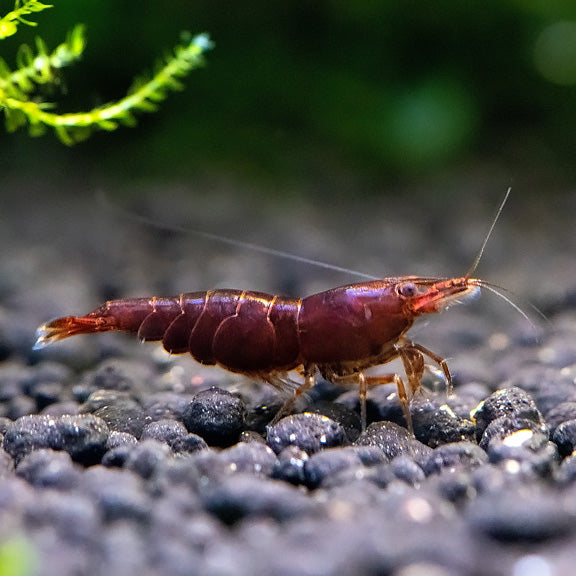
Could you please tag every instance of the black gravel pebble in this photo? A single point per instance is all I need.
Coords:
(548, 386)
(460, 455)
(175, 435)
(249, 458)
(120, 411)
(216, 415)
(165, 405)
(345, 416)
(566, 473)
(522, 514)
(166, 431)
(116, 457)
(147, 458)
(83, 436)
(560, 413)
(119, 494)
(120, 375)
(513, 403)
(72, 516)
(6, 464)
(241, 496)
(49, 469)
(289, 465)
(436, 424)
(188, 444)
(309, 432)
(393, 440)
(327, 463)
(506, 425)
(455, 485)
(565, 437)
(116, 439)
(405, 469)
(525, 452)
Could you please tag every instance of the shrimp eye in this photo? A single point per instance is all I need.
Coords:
(407, 289)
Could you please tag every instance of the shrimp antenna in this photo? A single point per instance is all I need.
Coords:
(136, 217)
(482, 248)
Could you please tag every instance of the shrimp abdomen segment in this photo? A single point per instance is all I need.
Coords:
(247, 332)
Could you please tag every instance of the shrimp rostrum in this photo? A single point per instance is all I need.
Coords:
(339, 333)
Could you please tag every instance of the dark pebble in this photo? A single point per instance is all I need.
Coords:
(454, 486)
(511, 402)
(48, 469)
(147, 457)
(345, 416)
(60, 408)
(4, 423)
(166, 431)
(548, 386)
(165, 405)
(249, 458)
(28, 433)
(116, 439)
(241, 496)
(118, 448)
(565, 437)
(566, 473)
(83, 436)
(393, 440)
(120, 411)
(249, 436)
(207, 466)
(370, 455)
(402, 470)
(19, 406)
(116, 457)
(217, 416)
(340, 465)
(525, 452)
(327, 463)
(14, 379)
(121, 375)
(521, 514)
(118, 494)
(467, 397)
(460, 455)
(507, 425)
(435, 424)
(188, 444)
(6, 464)
(46, 393)
(289, 465)
(406, 470)
(102, 398)
(561, 413)
(383, 404)
(71, 518)
(309, 432)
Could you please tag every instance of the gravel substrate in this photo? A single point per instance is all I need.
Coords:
(118, 459)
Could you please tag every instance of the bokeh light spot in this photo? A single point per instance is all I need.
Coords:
(555, 53)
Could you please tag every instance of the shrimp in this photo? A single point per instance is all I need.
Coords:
(339, 333)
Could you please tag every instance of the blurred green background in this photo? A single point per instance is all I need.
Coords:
(334, 95)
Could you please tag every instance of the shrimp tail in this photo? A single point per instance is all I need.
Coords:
(61, 328)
